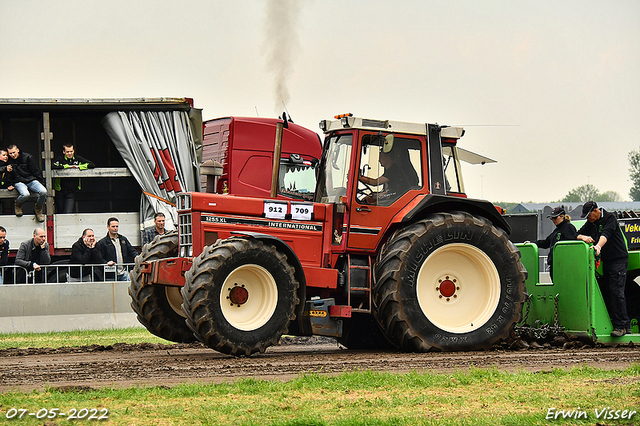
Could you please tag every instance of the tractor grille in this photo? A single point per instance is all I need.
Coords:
(186, 234)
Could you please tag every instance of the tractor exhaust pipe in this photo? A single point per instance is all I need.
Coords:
(277, 152)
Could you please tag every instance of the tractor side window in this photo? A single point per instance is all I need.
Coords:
(388, 173)
(334, 169)
(451, 169)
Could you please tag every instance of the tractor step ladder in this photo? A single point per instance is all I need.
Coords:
(359, 290)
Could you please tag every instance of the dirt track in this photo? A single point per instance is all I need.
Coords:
(126, 365)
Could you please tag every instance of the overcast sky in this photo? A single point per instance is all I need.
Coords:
(549, 89)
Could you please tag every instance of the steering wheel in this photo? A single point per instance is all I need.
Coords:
(363, 192)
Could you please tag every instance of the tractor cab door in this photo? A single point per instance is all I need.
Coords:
(389, 176)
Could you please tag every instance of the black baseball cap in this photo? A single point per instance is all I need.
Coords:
(558, 211)
(588, 207)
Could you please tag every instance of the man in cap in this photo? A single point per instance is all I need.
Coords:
(603, 230)
(564, 231)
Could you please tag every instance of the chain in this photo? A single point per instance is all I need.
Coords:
(527, 307)
(540, 330)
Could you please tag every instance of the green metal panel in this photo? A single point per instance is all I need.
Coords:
(541, 305)
(634, 260)
(573, 270)
(530, 259)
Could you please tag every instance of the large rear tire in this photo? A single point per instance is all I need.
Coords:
(159, 307)
(240, 296)
(449, 282)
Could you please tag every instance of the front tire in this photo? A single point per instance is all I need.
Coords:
(240, 296)
(451, 281)
(159, 307)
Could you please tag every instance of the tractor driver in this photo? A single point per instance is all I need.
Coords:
(399, 174)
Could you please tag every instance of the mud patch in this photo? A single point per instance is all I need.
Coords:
(124, 365)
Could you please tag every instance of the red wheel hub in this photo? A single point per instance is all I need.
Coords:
(238, 295)
(447, 288)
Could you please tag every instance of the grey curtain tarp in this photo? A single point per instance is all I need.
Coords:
(159, 150)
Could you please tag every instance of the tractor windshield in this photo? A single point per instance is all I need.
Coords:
(334, 169)
(297, 178)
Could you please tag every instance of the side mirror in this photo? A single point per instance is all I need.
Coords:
(388, 144)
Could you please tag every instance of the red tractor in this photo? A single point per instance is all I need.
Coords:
(390, 251)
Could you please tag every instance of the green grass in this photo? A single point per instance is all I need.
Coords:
(78, 338)
(470, 397)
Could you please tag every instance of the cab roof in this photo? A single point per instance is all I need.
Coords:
(348, 121)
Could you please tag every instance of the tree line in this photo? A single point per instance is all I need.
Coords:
(590, 192)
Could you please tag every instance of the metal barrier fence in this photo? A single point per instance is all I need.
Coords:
(68, 273)
(65, 273)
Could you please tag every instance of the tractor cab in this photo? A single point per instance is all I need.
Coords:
(395, 166)
(395, 156)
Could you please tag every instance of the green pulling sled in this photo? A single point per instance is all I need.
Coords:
(574, 301)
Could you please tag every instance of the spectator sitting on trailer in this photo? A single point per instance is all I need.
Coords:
(33, 253)
(5, 182)
(116, 249)
(158, 229)
(85, 252)
(4, 251)
(66, 188)
(5, 170)
(25, 177)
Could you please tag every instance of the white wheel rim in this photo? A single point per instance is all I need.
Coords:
(174, 297)
(259, 289)
(458, 288)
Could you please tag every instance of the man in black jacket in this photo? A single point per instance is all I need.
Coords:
(116, 250)
(26, 176)
(603, 230)
(85, 252)
(66, 188)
